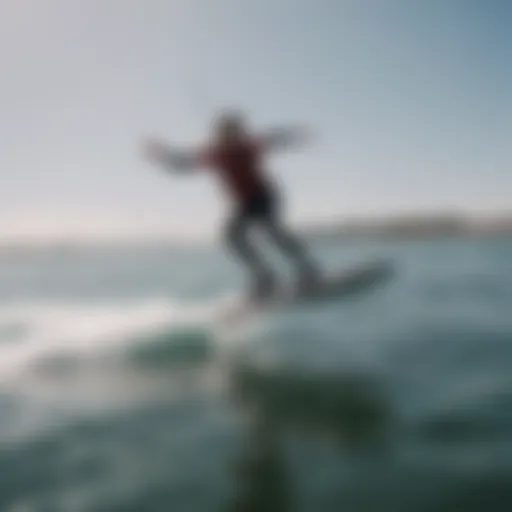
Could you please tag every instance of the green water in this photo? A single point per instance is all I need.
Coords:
(118, 394)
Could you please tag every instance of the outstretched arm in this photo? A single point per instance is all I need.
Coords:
(169, 158)
(285, 138)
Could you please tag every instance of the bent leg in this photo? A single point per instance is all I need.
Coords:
(292, 246)
(237, 239)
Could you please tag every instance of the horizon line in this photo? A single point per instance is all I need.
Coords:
(498, 218)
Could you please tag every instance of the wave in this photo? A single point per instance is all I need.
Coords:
(56, 334)
(177, 346)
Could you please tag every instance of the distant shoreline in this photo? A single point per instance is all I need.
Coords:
(415, 227)
(412, 227)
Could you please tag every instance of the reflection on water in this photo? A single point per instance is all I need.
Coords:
(349, 409)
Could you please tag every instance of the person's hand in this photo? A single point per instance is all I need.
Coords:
(155, 150)
(303, 135)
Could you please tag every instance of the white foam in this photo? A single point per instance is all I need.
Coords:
(86, 329)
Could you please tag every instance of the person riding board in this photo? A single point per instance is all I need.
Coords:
(236, 157)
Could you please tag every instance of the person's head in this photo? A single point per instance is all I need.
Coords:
(229, 126)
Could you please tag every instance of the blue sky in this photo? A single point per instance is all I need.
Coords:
(410, 101)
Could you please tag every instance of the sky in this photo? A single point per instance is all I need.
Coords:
(410, 103)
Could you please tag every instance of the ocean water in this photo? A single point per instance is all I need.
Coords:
(120, 392)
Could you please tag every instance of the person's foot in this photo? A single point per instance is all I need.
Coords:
(262, 287)
(309, 279)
